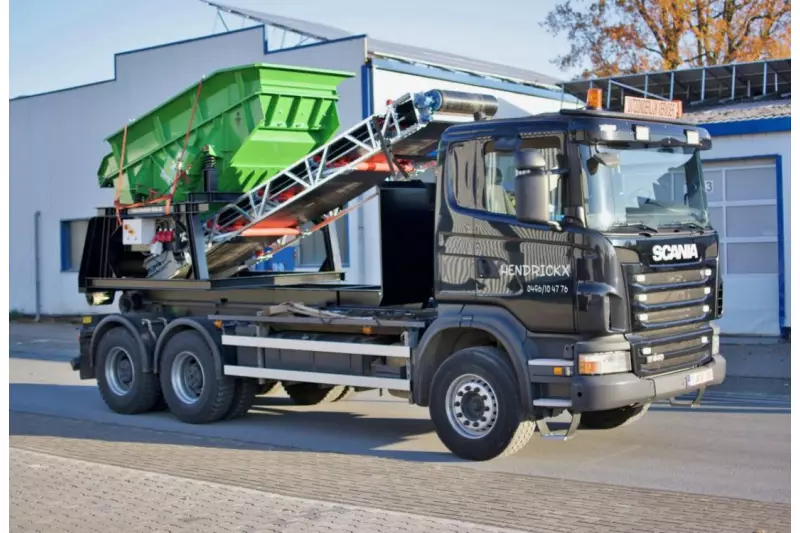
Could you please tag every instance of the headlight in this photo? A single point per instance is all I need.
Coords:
(604, 363)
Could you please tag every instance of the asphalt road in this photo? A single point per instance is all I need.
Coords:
(737, 444)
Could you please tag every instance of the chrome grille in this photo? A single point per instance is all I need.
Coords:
(670, 311)
(672, 316)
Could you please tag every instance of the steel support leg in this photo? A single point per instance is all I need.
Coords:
(198, 247)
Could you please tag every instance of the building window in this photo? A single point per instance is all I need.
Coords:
(311, 249)
(73, 234)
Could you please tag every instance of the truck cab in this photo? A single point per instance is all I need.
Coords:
(582, 241)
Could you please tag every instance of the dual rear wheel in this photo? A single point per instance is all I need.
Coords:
(187, 383)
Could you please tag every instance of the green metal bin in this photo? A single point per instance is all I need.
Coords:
(251, 121)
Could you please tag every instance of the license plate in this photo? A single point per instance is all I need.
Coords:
(698, 378)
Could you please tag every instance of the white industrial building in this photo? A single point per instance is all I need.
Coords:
(57, 138)
(57, 143)
(746, 108)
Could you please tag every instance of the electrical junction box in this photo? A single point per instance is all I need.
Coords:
(139, 231)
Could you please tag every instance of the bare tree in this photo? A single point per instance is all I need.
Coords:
(610, 37)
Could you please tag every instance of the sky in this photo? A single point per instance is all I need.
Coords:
(55, 44)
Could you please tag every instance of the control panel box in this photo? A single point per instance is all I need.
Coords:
(138, 231)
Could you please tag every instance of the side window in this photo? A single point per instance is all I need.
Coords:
(495, 193)
(463, 165)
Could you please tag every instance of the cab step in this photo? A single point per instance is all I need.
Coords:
(544, 428)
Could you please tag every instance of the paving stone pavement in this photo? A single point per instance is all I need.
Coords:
(50, 493)
(492, 499)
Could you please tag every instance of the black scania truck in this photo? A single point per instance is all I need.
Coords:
(560, 263)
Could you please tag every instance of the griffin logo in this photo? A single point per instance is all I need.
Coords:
(674, 252)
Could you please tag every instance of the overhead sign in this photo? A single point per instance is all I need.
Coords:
(648, 107)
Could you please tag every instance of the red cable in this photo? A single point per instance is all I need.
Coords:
(178, 172)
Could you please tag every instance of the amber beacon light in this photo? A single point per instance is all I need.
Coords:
(594, 98)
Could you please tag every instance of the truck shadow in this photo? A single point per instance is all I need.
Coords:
(77, 411)
(366, 427)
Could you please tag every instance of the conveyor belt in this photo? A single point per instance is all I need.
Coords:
(384, 145)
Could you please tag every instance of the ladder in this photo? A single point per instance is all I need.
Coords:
(409, 128)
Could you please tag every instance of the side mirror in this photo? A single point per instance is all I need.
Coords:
(531, 187)
(606, 159)
(532, 196)
(529, 160)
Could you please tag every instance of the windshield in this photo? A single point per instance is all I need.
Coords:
(655, 186)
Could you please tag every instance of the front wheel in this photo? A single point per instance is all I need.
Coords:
(613, 418)
(475, 405)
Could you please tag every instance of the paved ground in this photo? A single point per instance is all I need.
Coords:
(107, 498)
(723, 467)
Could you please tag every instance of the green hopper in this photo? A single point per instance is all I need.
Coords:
(250, 122)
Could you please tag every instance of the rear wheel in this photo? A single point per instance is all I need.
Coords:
(313, 393)
(124, 386)
(475, 405)
(193, 389)
(243, 395)
(613, 418)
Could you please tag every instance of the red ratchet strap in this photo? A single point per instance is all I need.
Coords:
(179, 173)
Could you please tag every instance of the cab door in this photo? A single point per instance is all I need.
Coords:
(455, 242)
(527, 268)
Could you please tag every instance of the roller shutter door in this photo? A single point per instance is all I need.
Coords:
(743, 206)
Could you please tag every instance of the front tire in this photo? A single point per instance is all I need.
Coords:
(475, 405)
(613, 418)
(193, 390)
(125, 387)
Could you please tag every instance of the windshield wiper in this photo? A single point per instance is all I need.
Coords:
(692, 225)
(637, 225)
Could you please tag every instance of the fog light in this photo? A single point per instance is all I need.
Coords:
(604, 363)
(714, 344)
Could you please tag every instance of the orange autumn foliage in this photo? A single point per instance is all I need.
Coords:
(611, 37)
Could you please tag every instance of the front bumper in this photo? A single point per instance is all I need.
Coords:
(598, 393)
